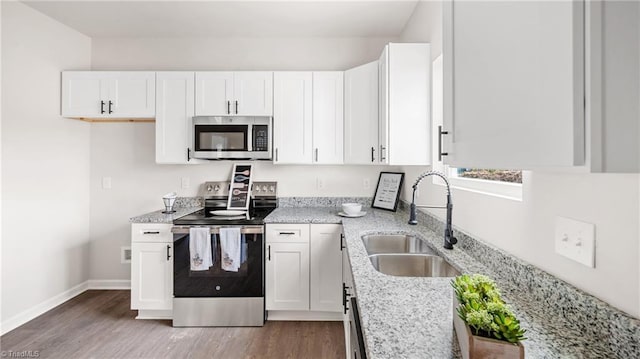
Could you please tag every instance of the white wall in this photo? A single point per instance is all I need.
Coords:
(45, 160)
(526, 229)
(125, 152)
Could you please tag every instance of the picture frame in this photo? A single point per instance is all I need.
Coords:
(387, 192)
(240, 191)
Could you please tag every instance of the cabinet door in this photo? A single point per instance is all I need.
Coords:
(84, 94)
(326, 268)
(214, 93)
(253, 93)
(328, 117)
(361, 114)
(383, 106)
(409, 100)
(514, 99)
(174, 109)
(292, 119)
(132, 94)
(287, 276)
(152, 276)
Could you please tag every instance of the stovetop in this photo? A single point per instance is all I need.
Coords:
(204, 218)
(263, 201)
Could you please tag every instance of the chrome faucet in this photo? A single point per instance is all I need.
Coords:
(449, 239)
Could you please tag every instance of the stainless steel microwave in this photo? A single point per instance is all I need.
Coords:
(226, 138)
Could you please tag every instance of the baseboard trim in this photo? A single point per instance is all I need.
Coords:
(109, 284)
(285, 315)
(34, 312)
(155, 314)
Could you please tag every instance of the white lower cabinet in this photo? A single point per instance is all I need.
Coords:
(287, 276)
(326, 268)
(151, 267)
(303, 268)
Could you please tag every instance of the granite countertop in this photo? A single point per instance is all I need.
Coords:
(159, 217)
(408, 317)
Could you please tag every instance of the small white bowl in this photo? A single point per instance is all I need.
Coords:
(351, 208)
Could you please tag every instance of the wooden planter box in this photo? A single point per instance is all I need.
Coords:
(475, 347)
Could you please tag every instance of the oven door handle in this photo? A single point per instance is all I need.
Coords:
(216, 230)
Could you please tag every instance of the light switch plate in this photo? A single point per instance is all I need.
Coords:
(185, 183)
(576, 240)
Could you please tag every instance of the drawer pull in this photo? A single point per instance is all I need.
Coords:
(287, 233)
(151, 232)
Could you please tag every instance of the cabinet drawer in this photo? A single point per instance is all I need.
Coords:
(151, 232)
(287, 233)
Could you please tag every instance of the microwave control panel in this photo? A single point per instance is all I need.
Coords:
(260, 137)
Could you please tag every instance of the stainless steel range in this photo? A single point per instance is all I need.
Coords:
(215, 296)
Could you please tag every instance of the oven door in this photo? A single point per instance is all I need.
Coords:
(248, 281)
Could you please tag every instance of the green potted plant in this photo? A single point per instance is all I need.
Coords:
(486, 327)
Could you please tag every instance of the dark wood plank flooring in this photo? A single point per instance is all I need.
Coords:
(99, 324)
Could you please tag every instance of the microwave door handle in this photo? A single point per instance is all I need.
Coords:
(249, 138)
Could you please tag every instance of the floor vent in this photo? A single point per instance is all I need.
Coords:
(125, 255)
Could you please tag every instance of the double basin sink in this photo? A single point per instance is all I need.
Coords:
(406, 256)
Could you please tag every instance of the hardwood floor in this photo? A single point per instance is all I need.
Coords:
(99, 324)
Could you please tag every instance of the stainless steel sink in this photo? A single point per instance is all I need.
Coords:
(413, 265)
(395, 243)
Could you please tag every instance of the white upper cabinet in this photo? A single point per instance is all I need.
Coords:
(514, 84)
(108, 94)
(174, 109)
(328, 115)
(214, 93)
(253, 93)
(361, 114)
(405, 104)
(292, 117)
(221, 93)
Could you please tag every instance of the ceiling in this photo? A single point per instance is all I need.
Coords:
(99, 19)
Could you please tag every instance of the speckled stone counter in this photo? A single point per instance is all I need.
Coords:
(182, 207)
(406, 317)
(159, 217)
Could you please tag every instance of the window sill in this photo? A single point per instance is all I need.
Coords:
(506, 190)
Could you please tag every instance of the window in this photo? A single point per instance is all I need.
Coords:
(511, 176)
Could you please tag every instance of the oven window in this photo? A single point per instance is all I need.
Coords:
(248, 281)
(221, 138)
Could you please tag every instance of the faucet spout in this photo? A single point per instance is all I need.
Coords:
(449, 239)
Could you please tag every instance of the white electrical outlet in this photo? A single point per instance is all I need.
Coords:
(366, 184)
(106, 182)
(185, 183)
(320, 183)
(576, 240)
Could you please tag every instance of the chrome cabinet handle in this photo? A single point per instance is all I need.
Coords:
(236, 107)
(168, 252)
(373, 159)
(151, 232)
(316, 155)
(440, 134)
(101, 107)
(228, 107)
(342, 241)
(276, 154)
(110, 104)
(383, 154)
(287, 233)
(269, 253)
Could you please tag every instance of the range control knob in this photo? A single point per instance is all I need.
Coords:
(216, 188)
(209, 188)
(272, 188)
